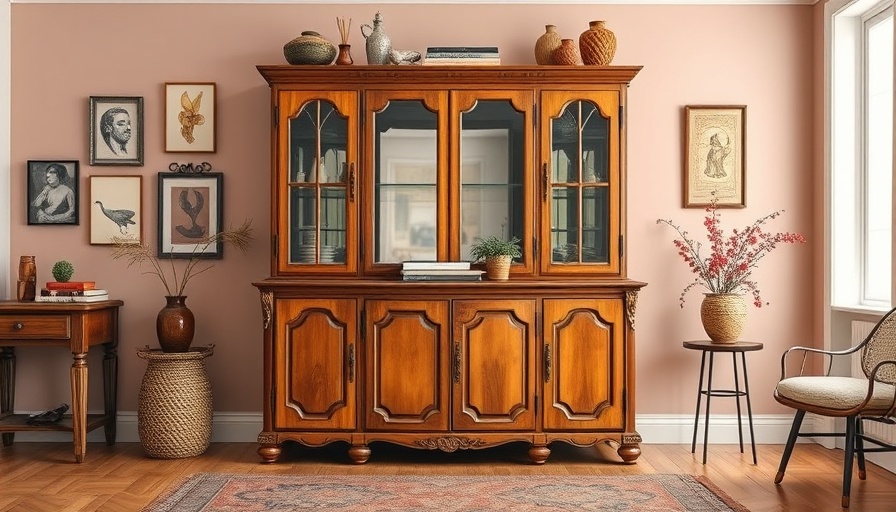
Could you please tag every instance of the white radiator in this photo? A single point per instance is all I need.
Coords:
(860, 331)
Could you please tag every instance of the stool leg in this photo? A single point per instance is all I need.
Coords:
(708, 396)
(743, 367)
(699, 396)
(740, 428)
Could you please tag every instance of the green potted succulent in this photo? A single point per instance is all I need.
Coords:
(497, 254)
(62, 271)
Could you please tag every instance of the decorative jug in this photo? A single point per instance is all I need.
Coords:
(546, 44)
(378, 43)
(597, 44)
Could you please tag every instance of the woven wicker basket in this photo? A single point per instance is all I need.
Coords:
(724, 316)
(174, 409)
(497, 268)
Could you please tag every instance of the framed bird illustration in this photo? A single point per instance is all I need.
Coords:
(190, 117)
(190, 211)
(116, 209)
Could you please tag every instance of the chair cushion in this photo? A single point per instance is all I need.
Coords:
(835, 393)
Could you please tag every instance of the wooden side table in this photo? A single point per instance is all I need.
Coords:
(742, 347)
(77, 326)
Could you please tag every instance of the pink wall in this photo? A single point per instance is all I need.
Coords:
(760, 56)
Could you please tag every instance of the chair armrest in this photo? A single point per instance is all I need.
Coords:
(806, 351)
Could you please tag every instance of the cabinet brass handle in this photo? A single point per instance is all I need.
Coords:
(351, 182)
(351, 362)
(18, 326)
(547, 363)
(456, 362)
(545, 180)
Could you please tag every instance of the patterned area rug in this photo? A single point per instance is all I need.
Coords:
(249, 493)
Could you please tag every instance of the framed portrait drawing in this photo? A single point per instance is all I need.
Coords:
(116, 130)
(190, 212)
(116, 209)
(714, 156)
(190, 117)
(52, 192)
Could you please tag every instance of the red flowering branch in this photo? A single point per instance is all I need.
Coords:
(732, 259)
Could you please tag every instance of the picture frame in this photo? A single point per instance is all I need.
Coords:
(53, 192)
(115, 125)
(190, 117)
(715, 156)
(191, 210)
(116, 209)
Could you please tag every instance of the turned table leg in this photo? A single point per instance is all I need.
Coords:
(7, 386)
(79, 404)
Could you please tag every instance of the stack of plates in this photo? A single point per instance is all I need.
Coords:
(327, 253)
(307, 253)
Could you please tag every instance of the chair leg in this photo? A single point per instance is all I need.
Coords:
(847, 459)
(860, 447)
(791, 441)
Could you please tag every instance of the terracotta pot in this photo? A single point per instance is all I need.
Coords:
(497, 268)
(567, 54)
(175, 325)
(597, 45)
(546, 44)
(724, 316)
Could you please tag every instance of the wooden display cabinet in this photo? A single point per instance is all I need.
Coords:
(376, 165)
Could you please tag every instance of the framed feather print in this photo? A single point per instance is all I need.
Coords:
(190, 117)
(190, 212)
(116, 209)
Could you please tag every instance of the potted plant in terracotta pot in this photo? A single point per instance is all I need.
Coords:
(498, 254)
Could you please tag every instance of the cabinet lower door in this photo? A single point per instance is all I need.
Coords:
(493, 365)
(407, 365)
(315, 373)
(584, 364)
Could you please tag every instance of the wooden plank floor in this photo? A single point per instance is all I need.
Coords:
(38, 477)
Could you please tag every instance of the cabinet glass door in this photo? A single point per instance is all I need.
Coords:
(319, 183)
(492, 165)
(407, 164)
(581, 185)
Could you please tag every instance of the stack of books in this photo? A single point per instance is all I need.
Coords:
(71, 291)
(462, 56)
(439, 271)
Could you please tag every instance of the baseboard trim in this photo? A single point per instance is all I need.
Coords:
(239, 427)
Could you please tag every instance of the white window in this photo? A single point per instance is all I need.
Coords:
(861, 154)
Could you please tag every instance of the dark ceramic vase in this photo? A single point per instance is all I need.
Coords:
(175, 325)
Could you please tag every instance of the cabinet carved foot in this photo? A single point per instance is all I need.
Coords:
(539, 453)
(269, 453)
(8, 438)
(359, 453)
(630, 448)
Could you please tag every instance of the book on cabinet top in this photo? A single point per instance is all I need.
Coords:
(435, 265)
(455, 273)
(70, 285)
(462, 49)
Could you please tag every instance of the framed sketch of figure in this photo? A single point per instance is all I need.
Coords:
(116, 130)
(52, 192)
(714, 163)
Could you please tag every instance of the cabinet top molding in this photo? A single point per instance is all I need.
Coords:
(365, 75)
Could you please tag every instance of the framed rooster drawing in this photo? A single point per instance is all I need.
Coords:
(190, 117)
(190, 211)
(116, 209)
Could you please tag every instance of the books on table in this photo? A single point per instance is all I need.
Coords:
(71, 298)
(72, 293)
(462, 56)
(70, 285)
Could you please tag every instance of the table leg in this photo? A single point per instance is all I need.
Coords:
(699, 396)
(743, 356)
(708, 396)
(110, 390)
(79, 404)
(7, 386)
(740, 428)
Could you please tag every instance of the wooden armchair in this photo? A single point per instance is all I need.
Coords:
(858, 399)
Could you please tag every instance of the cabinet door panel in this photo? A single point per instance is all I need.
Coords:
(584, 369)
(494, 365)
(315, 182)
(407, 386)
(581, 182)
(315, 383)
